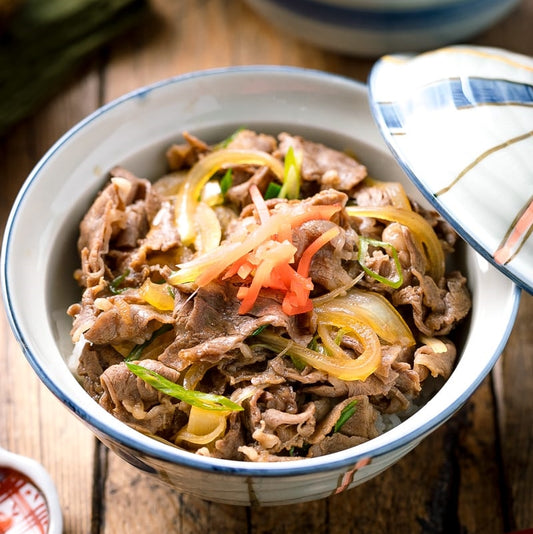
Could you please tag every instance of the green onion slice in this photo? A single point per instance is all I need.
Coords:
(291, 176)
(272, 191)
(346, 413)
(259, 329)
(226, 181)
(136, 352)
(225, 142)
(364, 242)
(113, 285)
(206, 401)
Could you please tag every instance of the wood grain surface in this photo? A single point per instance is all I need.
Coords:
(473, 475)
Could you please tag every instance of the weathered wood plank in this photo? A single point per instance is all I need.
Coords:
(193, 35)
(478, 462)
(32, 421)
(159, 508)
(514, 387)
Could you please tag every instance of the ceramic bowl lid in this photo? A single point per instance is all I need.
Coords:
(460, 122)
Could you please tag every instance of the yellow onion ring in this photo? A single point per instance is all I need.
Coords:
(427, 240)
(338, 364)
(203, 427)
(201, 172)
(376, 311)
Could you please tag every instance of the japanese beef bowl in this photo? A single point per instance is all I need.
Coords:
(237, 289)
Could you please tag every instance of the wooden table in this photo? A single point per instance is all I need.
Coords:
(473, 475)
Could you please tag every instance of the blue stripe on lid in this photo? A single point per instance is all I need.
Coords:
(459, 93)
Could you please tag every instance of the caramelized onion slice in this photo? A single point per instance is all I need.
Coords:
(203, 427)
(159, 296)
(337, 363)
(202, 171)
(376, 311)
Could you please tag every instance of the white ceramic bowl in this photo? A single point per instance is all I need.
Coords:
(39, 256)
(376, 27)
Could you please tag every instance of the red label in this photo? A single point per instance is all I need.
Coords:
(23, 508)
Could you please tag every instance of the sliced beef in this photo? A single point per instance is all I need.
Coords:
(276, 422)
(250, 140)
(121, 320)
(437, 359)
(84, 312)
(334, 443)
(329, 167)
(209, 326)
(436, 310)
(362, 423)
(94, 360)
(120, 216)
(185, 154)
(162, 236)
(138, 404)
(228, 446)
(239, 194)
(291, 410)
(445, 232)
(326, 266)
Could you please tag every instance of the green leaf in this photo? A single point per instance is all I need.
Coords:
(391, 250)
(346, 413)
(206, 401)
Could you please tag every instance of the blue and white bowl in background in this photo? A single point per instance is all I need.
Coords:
(376, 27)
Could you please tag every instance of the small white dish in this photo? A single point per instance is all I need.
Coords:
(460, 122)
(29, 503)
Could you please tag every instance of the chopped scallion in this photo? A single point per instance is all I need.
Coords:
(364, 242)
(206, 401)
(225, 142)
(226, 181)
(340, 334)
(259, 329)
(346, 413)
(115, 283)
(291, 178)
(136, 352)
(272, 191)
